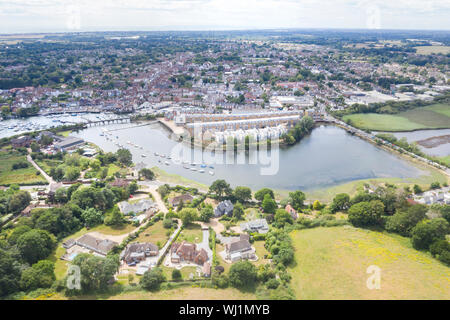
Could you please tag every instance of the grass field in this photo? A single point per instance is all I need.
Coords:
(331, 263)
(445, 159)
(432, 116)
(432, 49)
(183, 293)
(154, 234)
(20, 176)
(177, 179)
(191, 233)
(327, 194)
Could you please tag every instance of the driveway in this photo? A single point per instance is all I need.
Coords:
(152, 189)
(205, 243)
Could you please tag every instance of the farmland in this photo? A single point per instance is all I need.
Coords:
(436, 116)
(331, 263)
(425, 50)
(23, 176)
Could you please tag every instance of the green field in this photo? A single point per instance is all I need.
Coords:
(191, 233)
(26, 176)
(192, 292)
(429, 117)
(432, 49)
(331, 263)
(154, 234)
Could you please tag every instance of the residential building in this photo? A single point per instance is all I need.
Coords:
(224, 207)
(258, 225)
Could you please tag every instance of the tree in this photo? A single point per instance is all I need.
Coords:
(163, 190)
(417, 189)
(187, 215)
(61, 195)
(36, 245)
(72, 173)
(317, 205)
(259, 195)
(220, 188)
(152, 279)
(269, 205)
(92, 217)
(238, 211)
(147, 174)
(402, 222)
(206, 213)
(435, 185)
(296, 199)
(242, 273)
(364, 214)
(10, 272)
(341, 202)
(124, 157)
(114, 218)
(39, 275)
(133, 187)
(19, 201)
(242, 194)
(96, 272)
(282, 217)
(176, 275)
(428, 231)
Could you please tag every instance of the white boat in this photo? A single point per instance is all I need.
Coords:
(194, 169)
(167, 163)
(186, 167)
(201, 170)
(156, 154)
(143, 155)
(211, 173)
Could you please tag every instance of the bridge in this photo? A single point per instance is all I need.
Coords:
(90, 123)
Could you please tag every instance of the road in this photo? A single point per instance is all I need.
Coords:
(43, 173)
(151, 187)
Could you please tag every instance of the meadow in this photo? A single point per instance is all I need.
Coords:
(436, 116)
(24, 176)
(331, 263)
(425, 50)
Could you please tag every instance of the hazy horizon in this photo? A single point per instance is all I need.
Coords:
(52, 16)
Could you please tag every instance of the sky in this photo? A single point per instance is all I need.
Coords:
(33, 16)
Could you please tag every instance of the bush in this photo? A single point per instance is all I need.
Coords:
(272, 284)
(176, 275)
(441, 250)
(242, 274)
(428, 231)
(151, 280)
(20, 165)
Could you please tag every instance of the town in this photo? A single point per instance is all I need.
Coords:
(89, 177)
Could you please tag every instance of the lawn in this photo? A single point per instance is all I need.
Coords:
(24, 176)
(382, 122)
(331, 263)
(429, 117)
(327, 194)
(183, 293)
(177, 179)
(191, 233)
(445, 159)
(426, 50)
(252, 214)
(185, 272)
(154, 234)
(260, 252)
(48, 164)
